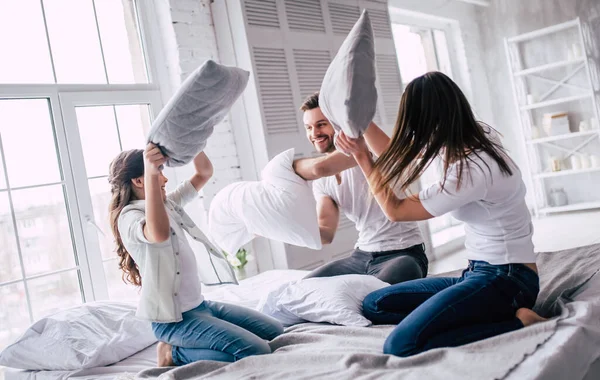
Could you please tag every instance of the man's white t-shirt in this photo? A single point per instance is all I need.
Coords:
(498, 226)
(376, 233)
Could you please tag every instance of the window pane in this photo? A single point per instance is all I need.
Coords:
(9, 256)
(100, 192)
(14, 317)
(134, 123)
(99, 138)
(53, 293)
(28, 142)
(74, 41)
(117, 289)
(44, 230)
(2, 175)
(411, 52)
(121, 42)
(29, 60)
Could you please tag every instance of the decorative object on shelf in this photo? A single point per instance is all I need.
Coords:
(550, 95)
(586, 162)
(556, 123)
(555, 164)
(575, 162)
(558, 198)
(239, 261)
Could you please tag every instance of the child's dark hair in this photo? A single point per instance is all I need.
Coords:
(125, 167)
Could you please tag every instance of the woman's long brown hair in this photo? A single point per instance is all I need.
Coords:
(125, 167)
(435, 118)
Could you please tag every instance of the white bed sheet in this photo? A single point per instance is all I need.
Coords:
(132, 365)
(248, 294)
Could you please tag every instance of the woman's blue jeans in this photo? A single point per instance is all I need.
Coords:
(218, 331)
(448, 312)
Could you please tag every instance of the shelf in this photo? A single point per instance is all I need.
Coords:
(564, 137)
(544, 31)
(549, 66)
(556, 101)
(573, 207)
(566, 172)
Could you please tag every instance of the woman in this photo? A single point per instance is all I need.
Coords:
(146, 223)
(482, 187)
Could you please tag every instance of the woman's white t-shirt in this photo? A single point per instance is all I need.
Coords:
(498, 226)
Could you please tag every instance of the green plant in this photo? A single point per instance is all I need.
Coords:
(240, 259)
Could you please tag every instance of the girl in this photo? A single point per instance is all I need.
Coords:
(148, 225)
(482, 187)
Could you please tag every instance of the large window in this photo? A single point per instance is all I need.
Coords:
(75, 89)
(428, 47)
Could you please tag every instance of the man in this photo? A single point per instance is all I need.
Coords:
(393, 252)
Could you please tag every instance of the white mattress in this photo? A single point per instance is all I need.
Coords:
(248, 294)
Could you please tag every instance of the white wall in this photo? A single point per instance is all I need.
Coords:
(193, 36)
(508, 18)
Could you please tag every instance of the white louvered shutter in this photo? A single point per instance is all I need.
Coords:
(311, 66)
(262, 13)
(343, 17)
(390, 86)
(304, 15)
(288, 45)
(275, 90)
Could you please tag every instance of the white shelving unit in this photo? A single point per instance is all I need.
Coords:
(550, 73)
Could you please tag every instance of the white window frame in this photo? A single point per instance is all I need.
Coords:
(459, 74)
(453, 37)
(63, 98)
(69, 101)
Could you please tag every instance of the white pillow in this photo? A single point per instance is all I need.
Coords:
(348, 97)
(91, 335)
(336, 300)
(280, 207)
(203, 100)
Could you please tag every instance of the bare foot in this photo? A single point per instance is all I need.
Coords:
(164, 355)
(529, 317)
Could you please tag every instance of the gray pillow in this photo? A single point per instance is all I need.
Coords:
(187, 121)
(348, 96)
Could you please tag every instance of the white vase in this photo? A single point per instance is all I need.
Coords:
(575, 162)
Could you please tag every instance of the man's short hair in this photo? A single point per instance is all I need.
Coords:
(311, 102)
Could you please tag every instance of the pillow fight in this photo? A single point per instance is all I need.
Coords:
(361, 172)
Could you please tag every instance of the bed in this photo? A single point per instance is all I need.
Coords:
(565, 347)
(247, 294)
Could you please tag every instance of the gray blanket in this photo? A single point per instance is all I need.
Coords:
(322, 351)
